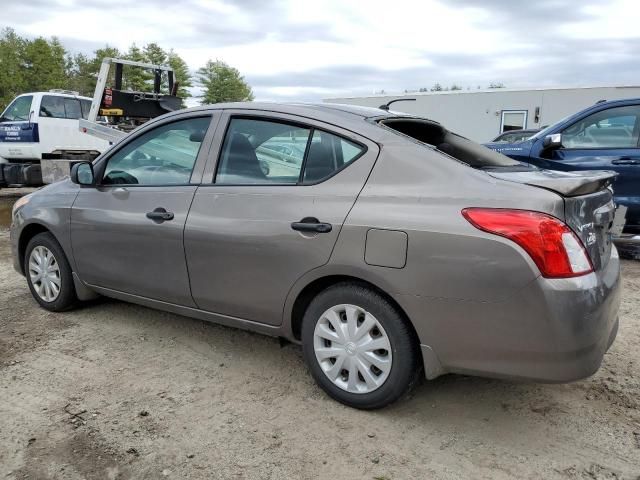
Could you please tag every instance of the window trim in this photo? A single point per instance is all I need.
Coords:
(268, 118)
(526, 120)
(101, 162)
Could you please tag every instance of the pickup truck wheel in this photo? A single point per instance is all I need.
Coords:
(358, 347)
(48, 274)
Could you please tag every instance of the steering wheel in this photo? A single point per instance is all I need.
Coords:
(118, 177)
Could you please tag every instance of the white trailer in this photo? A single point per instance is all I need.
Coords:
(481, 115)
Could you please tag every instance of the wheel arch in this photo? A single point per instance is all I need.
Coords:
(26, 234)
(313, 287)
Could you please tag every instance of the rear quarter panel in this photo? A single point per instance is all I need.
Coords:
(452, 269)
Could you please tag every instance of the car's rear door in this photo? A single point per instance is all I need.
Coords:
(260, 221)
(127, 232)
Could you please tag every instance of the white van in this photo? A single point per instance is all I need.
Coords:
(45, 125)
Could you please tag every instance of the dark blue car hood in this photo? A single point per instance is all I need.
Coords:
(520, 149)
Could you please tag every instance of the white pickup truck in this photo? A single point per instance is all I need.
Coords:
(45, 126)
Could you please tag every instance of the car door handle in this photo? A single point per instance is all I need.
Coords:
(311, 224)
(160, 215)
(625, 161)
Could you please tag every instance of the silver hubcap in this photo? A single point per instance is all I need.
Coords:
(352, 349)
(44, 273)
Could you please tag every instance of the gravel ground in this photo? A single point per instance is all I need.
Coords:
(120, 391)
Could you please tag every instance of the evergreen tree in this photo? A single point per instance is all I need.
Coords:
(44, 64)
(12, 80)
(134, 78)
(155, 54)
(181, 74)
(80, 75)
(96, 62)
(222, 83)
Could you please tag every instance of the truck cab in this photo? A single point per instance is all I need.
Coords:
(605, 136)
(41, 125)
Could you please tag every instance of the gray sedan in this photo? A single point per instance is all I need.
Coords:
(388, 246)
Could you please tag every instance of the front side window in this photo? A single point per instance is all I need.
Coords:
(163, 156)
(261, 152)
(613, 128)
(18, 110)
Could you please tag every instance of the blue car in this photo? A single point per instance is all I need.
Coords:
(604, 136)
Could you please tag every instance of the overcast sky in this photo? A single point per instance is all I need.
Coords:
(309, 50)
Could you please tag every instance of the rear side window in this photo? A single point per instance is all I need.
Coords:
(452, 144)
(72, 108)
(328, 153)
(263, 152)
(18, 110)
(60, 107)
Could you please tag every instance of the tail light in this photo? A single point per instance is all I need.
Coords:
(552, 245)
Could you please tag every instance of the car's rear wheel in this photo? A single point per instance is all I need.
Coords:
(358, 347)
(49, 274)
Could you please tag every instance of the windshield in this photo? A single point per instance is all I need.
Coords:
(18, 110)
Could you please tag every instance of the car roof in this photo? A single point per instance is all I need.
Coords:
(614, 102)
(313, 109)
(349, 117)
(55, 94)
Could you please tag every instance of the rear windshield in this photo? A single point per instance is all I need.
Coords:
(454, 145)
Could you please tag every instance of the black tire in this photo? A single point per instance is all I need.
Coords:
(66, 298)
(406, 365)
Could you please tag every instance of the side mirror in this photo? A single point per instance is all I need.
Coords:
(552, 141)
(82, 173)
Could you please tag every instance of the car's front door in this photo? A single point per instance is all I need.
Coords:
(604, 140)
(269, 210)
(127, 231)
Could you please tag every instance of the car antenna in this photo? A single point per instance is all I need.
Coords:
(385, 107)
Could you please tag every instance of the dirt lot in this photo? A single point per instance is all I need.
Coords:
(120, 391)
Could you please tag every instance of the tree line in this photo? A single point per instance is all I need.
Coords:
(40, 64)
(437, 87)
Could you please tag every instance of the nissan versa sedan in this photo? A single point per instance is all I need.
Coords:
(388, 246)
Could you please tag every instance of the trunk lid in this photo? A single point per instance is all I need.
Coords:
(567, 184)
(588, 204)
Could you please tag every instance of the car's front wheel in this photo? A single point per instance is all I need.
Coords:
(358, 347)
(49, 274)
